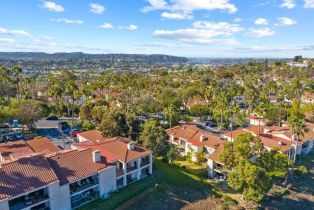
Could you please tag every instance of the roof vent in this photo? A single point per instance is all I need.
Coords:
(203, 138)
(280, 143)
(96, 156)
(131, 146)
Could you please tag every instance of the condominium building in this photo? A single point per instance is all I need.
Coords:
(132, 161)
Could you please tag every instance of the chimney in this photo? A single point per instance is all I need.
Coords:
(1, 158)
(96, 156)
(203, 138)
(131, 146)
(280, 142)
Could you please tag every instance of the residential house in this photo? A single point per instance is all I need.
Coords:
(132, 161)
(37, 175)
(191, 139)
(257, 120)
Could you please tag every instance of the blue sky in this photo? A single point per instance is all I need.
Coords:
(194, 28)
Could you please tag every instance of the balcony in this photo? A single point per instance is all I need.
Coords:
(84, 198)
(145, 161)
(131, 166)
(83, 184)
(119, 172)
(29, 201)
(219, 167)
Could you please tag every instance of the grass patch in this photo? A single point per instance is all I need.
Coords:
(169, 182)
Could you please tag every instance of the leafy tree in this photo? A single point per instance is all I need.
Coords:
(172, 153)
(250, 179)
(28, 111)
(200, 110)
(201, 157)
(275, 163)
(227, 156)
(154, 137)
(113, 124)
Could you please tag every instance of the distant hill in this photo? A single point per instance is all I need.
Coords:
(155, 58)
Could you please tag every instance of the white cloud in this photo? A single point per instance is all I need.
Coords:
(225, 28)
(65, 20)
(261, 21)
(7, 40)
(286, 21)
(203, 32)
(177, 16)
(14, 32)
(52, 6)
(261, 32)
(97, 8)
(106, 26)
(288, 4)
(237, 20)
(308, 3)
(132, 27)
(187, 7)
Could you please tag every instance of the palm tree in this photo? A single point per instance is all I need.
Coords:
(297, 123)
(170, 113)
(17, 70)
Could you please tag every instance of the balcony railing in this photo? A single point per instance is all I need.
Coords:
(83, 198)
(144, 162)
(84, 184)
(27, 201)
(129, 169)
(119, 172)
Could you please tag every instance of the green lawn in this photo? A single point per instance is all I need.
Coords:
(170, 185)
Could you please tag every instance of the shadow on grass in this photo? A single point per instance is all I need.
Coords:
(171, 187)
(287, 203)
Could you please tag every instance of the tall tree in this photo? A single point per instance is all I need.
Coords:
(154, 137)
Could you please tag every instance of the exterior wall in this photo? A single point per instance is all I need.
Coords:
(210, 168)
(80, 138)
(4, 205)
(310, 147)
(107, 181)
(59, 196)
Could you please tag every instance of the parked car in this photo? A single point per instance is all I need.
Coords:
(52, 118)
(210, 123)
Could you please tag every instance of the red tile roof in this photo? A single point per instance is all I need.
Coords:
(119, 147)
(112, 148)
(24, 175)
(18, 149)
(274, 142)
(94, 136)
(192, 134)
(73, 165)
(12, 150)
(236, 133)
(43, 145)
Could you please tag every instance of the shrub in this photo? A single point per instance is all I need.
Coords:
(301, 170)
(227, 200)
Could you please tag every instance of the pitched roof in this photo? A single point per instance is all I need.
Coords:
(42, 145)
(12, 150)
(193, 134)
(94, 136)
(117, 146)
(273, 142)
(309, 135)
(18, 149)
(73, 165)
(236, 133)
(25, 174)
